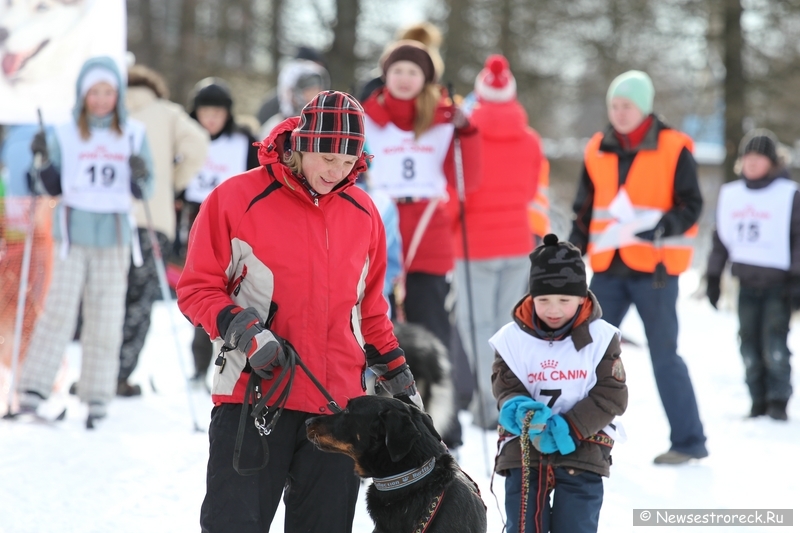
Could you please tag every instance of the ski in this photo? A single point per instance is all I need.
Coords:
(34, 417)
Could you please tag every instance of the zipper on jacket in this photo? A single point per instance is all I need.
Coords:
(316, 202)
(237, 283)
(221, 360)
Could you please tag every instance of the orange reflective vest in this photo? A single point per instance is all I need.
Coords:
(649, 185)
(539, 207)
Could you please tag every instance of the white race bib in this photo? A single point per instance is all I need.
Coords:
(95, 173)
(555, 373)
(754, 224)
(227, 157)
(408, 167)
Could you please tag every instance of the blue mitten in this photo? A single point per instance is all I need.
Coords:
(555, 437)
(512, 415)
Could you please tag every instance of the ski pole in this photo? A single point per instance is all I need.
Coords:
(22, 295)
(462, 213)
(167, 297)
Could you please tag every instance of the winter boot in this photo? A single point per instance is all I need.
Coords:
(127, 390)
(674, 457)
(97, 411)
(776, 410)
(758, 409)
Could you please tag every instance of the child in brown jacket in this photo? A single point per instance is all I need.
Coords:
(559, 383)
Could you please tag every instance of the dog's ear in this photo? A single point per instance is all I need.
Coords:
(428, 421)
(401, 434)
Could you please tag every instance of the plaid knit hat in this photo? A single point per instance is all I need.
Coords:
(412, 51)
(557, 268)
(761, 141)
(332, 123)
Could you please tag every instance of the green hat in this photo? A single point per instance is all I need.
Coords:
(636, 86)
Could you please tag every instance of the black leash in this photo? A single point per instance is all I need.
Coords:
(252, 395)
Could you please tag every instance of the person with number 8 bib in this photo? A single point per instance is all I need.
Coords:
(286, 264)
(230, 152)
(411, 125)
(758, 231)
(95, 164)
(560, 383)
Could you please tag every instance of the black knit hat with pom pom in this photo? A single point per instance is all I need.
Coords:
(557, 268)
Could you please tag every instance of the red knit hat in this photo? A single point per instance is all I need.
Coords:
(333, 123)
(495, 83)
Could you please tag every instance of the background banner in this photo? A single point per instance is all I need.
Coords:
(43, 44)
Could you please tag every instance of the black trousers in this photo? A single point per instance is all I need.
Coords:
(320, 489)
(425, 304)
(202, 350)
(143, 290)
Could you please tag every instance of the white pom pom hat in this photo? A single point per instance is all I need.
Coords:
(495, 83)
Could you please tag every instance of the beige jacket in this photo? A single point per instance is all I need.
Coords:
(178, 145)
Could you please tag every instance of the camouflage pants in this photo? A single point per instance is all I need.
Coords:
(143, 290)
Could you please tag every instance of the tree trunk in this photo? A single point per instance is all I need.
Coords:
(184, 73)
(275, 40)
(342, 57)
(734, 83)
(457, 46)
(150, 41)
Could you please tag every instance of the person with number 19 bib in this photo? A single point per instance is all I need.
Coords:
(96, 164)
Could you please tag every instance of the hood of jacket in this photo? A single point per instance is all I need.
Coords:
(272, 149)
(109, 64)
(139, 97)
(524, 316)
(500, 120)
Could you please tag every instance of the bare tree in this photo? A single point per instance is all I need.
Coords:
(342, 58)
(734, 83)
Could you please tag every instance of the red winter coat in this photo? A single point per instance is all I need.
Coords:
(435, 254)
(260, 239)
(497, 212)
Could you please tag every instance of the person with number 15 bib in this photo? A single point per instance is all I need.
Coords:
(758, 231)
(95, 164)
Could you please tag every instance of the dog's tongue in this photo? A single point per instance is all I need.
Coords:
(12, 63)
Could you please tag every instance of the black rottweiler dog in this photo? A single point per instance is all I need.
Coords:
(415, 481)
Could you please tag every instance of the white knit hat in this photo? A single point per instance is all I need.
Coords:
(495, 83)
(97, 75)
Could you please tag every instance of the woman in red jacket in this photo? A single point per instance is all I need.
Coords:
(290, 258)
(411, 125)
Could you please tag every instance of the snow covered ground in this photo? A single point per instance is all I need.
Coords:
(144, 468)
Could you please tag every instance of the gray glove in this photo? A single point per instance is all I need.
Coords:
(138, 168)
(403, 385)
(263, 348)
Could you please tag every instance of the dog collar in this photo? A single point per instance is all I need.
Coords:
(406, 478)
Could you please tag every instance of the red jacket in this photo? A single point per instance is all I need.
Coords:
(435, 254)
(259, 240)
(497, 212)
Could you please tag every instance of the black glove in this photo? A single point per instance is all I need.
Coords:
(794, 293)
(660, 230)
(712, 290)
(136, 190)
(403, 387)
(39, 145)
(263, 348)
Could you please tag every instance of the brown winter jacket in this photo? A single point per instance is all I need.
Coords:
(607, 399)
